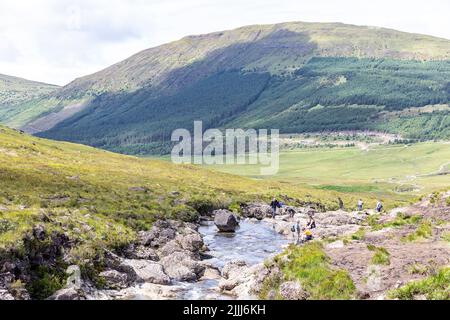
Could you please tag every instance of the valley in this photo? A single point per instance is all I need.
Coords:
(388, 170)
(93, 208)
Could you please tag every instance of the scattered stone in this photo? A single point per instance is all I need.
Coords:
(138, 189)
(5, 295)
(336, 245)
(68, 294)
(292, 290)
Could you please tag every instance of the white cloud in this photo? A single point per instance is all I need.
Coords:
(56, 41)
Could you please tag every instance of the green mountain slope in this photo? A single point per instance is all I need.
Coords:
(16, 90)
(297, 77)
(17, 93)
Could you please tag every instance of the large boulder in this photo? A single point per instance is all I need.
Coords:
(225, 221)
(181, 267)
(191, 242)
(144, 271)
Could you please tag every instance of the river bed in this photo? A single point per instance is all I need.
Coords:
(253, 242)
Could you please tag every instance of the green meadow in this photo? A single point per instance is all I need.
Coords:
(392, 171)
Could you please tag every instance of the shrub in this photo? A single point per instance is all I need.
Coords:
(311, 266)
(435, 287)
(424, 231)
(381, 255)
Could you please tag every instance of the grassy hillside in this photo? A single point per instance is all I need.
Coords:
(38, 176)
(16, 90)
(17, 94)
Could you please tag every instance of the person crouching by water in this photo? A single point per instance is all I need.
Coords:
(312, 222)
(275, 204)
(308, 235)
(291, 213)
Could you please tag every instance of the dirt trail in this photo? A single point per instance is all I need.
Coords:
(409, 260)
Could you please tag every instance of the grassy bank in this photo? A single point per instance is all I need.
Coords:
(310, 266)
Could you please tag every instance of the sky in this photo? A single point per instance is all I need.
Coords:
(56, 41)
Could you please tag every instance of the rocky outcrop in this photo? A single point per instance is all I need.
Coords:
(256, 210)
(169, 252)
(141, 252)
(73, 289)
(242, 280)
(225, 221)
(144, 271)
(114, 279)
(182, 267)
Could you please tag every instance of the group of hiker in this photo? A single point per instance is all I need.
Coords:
(305, 234)
(378, 208)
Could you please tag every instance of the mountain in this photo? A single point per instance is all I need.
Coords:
(298, 77)
(16, 93)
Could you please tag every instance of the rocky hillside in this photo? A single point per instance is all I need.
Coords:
(400, 254)
(290, 76)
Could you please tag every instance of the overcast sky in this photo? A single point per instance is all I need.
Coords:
(56, 41)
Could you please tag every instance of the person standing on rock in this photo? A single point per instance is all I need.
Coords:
(379, 207)
(299, 230)
(360, 205)
(275, 204)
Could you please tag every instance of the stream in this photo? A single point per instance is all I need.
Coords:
(253, 242)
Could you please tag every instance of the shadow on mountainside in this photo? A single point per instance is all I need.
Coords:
(212, 89)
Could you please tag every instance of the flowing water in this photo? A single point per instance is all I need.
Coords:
(253, 242)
